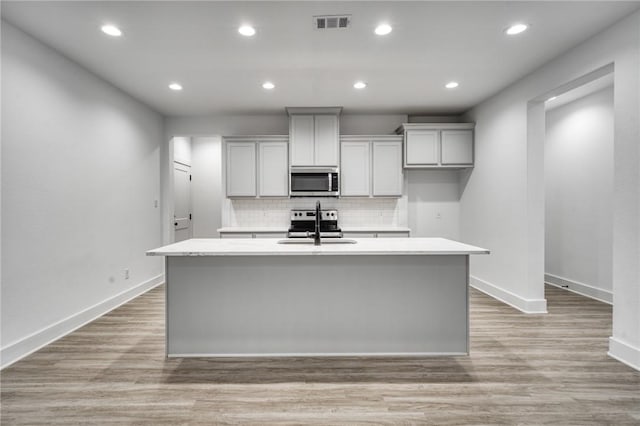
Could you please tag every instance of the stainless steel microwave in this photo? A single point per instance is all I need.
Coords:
(314, 182)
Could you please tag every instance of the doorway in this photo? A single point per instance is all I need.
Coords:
(578, 171)
(193, 188)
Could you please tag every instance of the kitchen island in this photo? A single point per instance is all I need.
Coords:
(392, 296)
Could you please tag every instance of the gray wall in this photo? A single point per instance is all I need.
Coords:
(80, 176)
(579, 195)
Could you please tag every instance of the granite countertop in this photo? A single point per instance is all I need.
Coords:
(271, 247)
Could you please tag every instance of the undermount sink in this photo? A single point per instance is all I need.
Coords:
(323, 242)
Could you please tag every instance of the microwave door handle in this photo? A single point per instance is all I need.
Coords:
(330, 182)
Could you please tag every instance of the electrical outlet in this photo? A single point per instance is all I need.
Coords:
(126, 274)
(438, 215)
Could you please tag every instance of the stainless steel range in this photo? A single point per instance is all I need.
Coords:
(303, 222)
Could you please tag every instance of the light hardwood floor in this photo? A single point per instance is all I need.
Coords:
(523, 369)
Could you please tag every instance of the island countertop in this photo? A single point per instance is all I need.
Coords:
(271, 247)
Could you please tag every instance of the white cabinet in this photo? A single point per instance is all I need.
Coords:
(422, 147)
(371, 166)
(253, 234)
(354, 170)
(376, 234)
(438, 145)
(457, 147)
(302, 136)
(326, 140)
(387, 168)
(273, 166)
(241, 169)
(314, 136)
(257, 166)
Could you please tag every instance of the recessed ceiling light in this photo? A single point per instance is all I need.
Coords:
(247, 30)
(268, 85)
(383, 29)
(552, 98)
(359, 85)
(175, 86)
(516, 29)
(451, 85)
(111, 30)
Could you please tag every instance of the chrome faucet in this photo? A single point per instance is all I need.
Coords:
(316, 236)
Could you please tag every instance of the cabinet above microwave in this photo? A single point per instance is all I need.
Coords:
(314, 136)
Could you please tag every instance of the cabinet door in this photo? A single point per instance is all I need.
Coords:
(273, 169)
(302, 140)
(280, 235)
(326, 138)
(387, 168)
(354, 169)
(422, 147)
(236, 235)
(457, 147)
(359, 234)
(241, 169)
(393, 234)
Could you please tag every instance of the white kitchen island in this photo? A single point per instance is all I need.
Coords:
(254, 297)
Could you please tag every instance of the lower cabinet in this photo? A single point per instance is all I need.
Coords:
(381, 234)
(240, 234)
(257, 166)
(371, 166)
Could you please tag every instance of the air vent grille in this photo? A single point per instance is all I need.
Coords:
(328, 22)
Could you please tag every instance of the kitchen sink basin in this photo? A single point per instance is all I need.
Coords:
(305, 241)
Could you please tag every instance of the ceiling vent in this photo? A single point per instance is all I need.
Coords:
(328, 22)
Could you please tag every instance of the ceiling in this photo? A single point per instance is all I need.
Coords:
(198, 45)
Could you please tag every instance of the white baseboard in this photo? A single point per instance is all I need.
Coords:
(27, 345)
(580, 288)
(528, 306)
(624, 352)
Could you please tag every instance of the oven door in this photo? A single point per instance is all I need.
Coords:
(313, 184)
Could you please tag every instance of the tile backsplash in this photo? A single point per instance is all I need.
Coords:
(354, 212)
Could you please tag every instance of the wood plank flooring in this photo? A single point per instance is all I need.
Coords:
(523, 369)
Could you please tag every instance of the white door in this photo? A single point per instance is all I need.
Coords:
(326, 140)
(274, 169)
(241, 169)
(422, 147)
(457, 147)
(355, 174)
(182, 201)
(387, 169)
(302, 140)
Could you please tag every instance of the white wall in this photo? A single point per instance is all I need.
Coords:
(80, 177)
(434, 203)
(502, 198)
(579, 195)
(182, 150)
(206, 187)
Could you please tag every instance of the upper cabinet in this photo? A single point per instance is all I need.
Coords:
(257, 166)
(438, 145)
(371, 166)
(314, 136)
